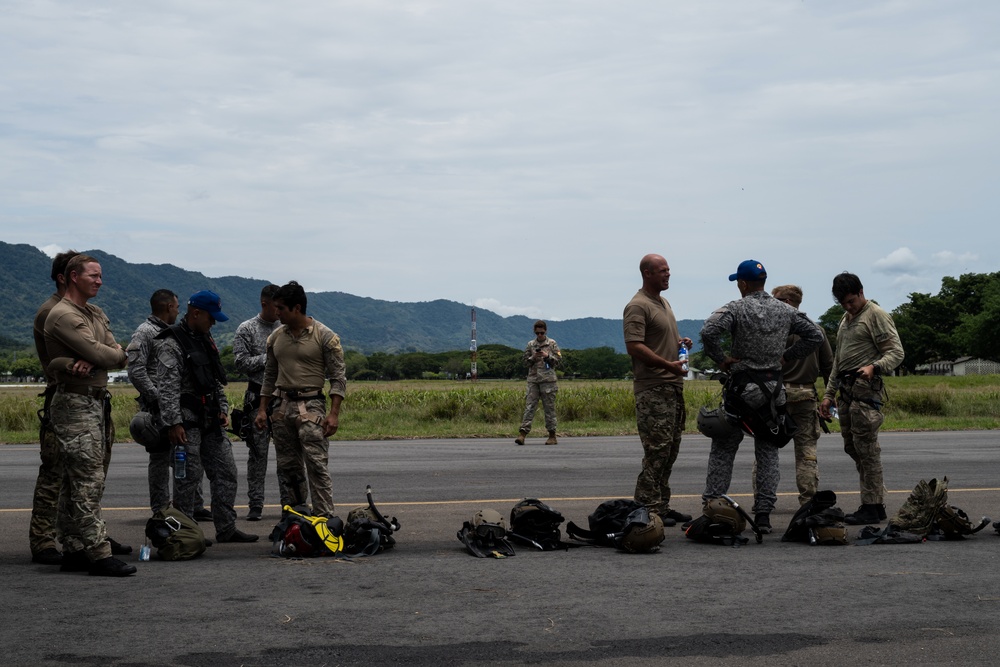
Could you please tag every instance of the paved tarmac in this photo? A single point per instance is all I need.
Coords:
(428, 602)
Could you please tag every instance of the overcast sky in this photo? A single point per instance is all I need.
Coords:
(519, 156)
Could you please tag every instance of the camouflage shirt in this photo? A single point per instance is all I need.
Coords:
(250, 347)
(175, 377)
(142, 360)
(543, 369)
(759, 325)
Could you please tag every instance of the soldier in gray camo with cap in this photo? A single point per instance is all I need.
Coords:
(193, 406)
(759, 326)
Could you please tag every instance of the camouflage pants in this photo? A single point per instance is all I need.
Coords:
(859, 426)
(209, 453)
(79, 425)
(299, 445)
(547, 392)
(659, 415)
(42, 533)
(801, 406)
(766, 473)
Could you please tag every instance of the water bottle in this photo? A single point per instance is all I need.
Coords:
(180, 462)
(682, 356)
(833, 412)
(144, 551)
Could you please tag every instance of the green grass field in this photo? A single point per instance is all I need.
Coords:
(487, 409)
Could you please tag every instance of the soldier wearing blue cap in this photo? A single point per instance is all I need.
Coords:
(193, 406)
(759, 326)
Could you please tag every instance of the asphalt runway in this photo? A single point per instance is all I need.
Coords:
(428, 602)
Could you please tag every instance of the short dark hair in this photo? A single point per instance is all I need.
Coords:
(59, 263)
(540, 324)
(291, 294)
(269, 291)
(76, 263)
(846, 283)
(161, 299)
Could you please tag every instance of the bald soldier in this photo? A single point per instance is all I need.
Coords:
(652, 341)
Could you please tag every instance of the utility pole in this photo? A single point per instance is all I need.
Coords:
(472, 345)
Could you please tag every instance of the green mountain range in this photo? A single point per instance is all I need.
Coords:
(364, 324)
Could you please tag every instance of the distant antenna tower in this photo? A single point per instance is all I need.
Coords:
(472, 345)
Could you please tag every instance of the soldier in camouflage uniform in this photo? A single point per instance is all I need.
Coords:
(541, 356)
(801, 401)
(250, 351)
(43, 537)
(141, 373)
(301, 355)
(759, 326)
(82, 349)
(193, 406)
(652, 341)
(868, 347)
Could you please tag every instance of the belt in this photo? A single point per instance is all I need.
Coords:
(793, 385)
(83, 390)
(299, 395)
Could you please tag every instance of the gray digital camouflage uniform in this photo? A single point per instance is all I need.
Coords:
(141, 373)
(250, 351)
(208, 449)
(541, 383)
(759, 325)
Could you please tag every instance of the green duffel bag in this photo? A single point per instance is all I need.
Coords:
(175, 535)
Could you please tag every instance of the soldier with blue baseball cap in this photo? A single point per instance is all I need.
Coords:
(210, 302)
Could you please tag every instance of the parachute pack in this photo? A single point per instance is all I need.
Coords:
(535, 524)
(722, 522)
(624, 524)
(366, 533)
(927, 513)
(818, 522)
(175, 535)
(485, 535)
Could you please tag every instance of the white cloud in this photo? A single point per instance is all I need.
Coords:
(51, 250)
(899, 261)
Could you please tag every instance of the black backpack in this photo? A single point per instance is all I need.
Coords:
(819, 521)
(624, 524)
(535, 524)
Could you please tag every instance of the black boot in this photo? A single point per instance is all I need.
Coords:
(866, 514)
(763, 522)
(111, 567)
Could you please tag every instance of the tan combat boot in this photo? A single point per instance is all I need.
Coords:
(519, 440)
(552, 439)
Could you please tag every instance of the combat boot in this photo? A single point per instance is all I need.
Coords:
(866, 514)
(236, 535)
(552, 439)
(763, 522)
(74, 561)
(519, 440)
(111, 567)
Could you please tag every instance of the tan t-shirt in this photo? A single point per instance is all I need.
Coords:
(650, 320)
(306, 362)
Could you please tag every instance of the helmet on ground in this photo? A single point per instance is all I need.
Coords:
(720, 511)
(488, 526)
(145, 430)
(643, 532)
(714, 423)
(295, 542)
